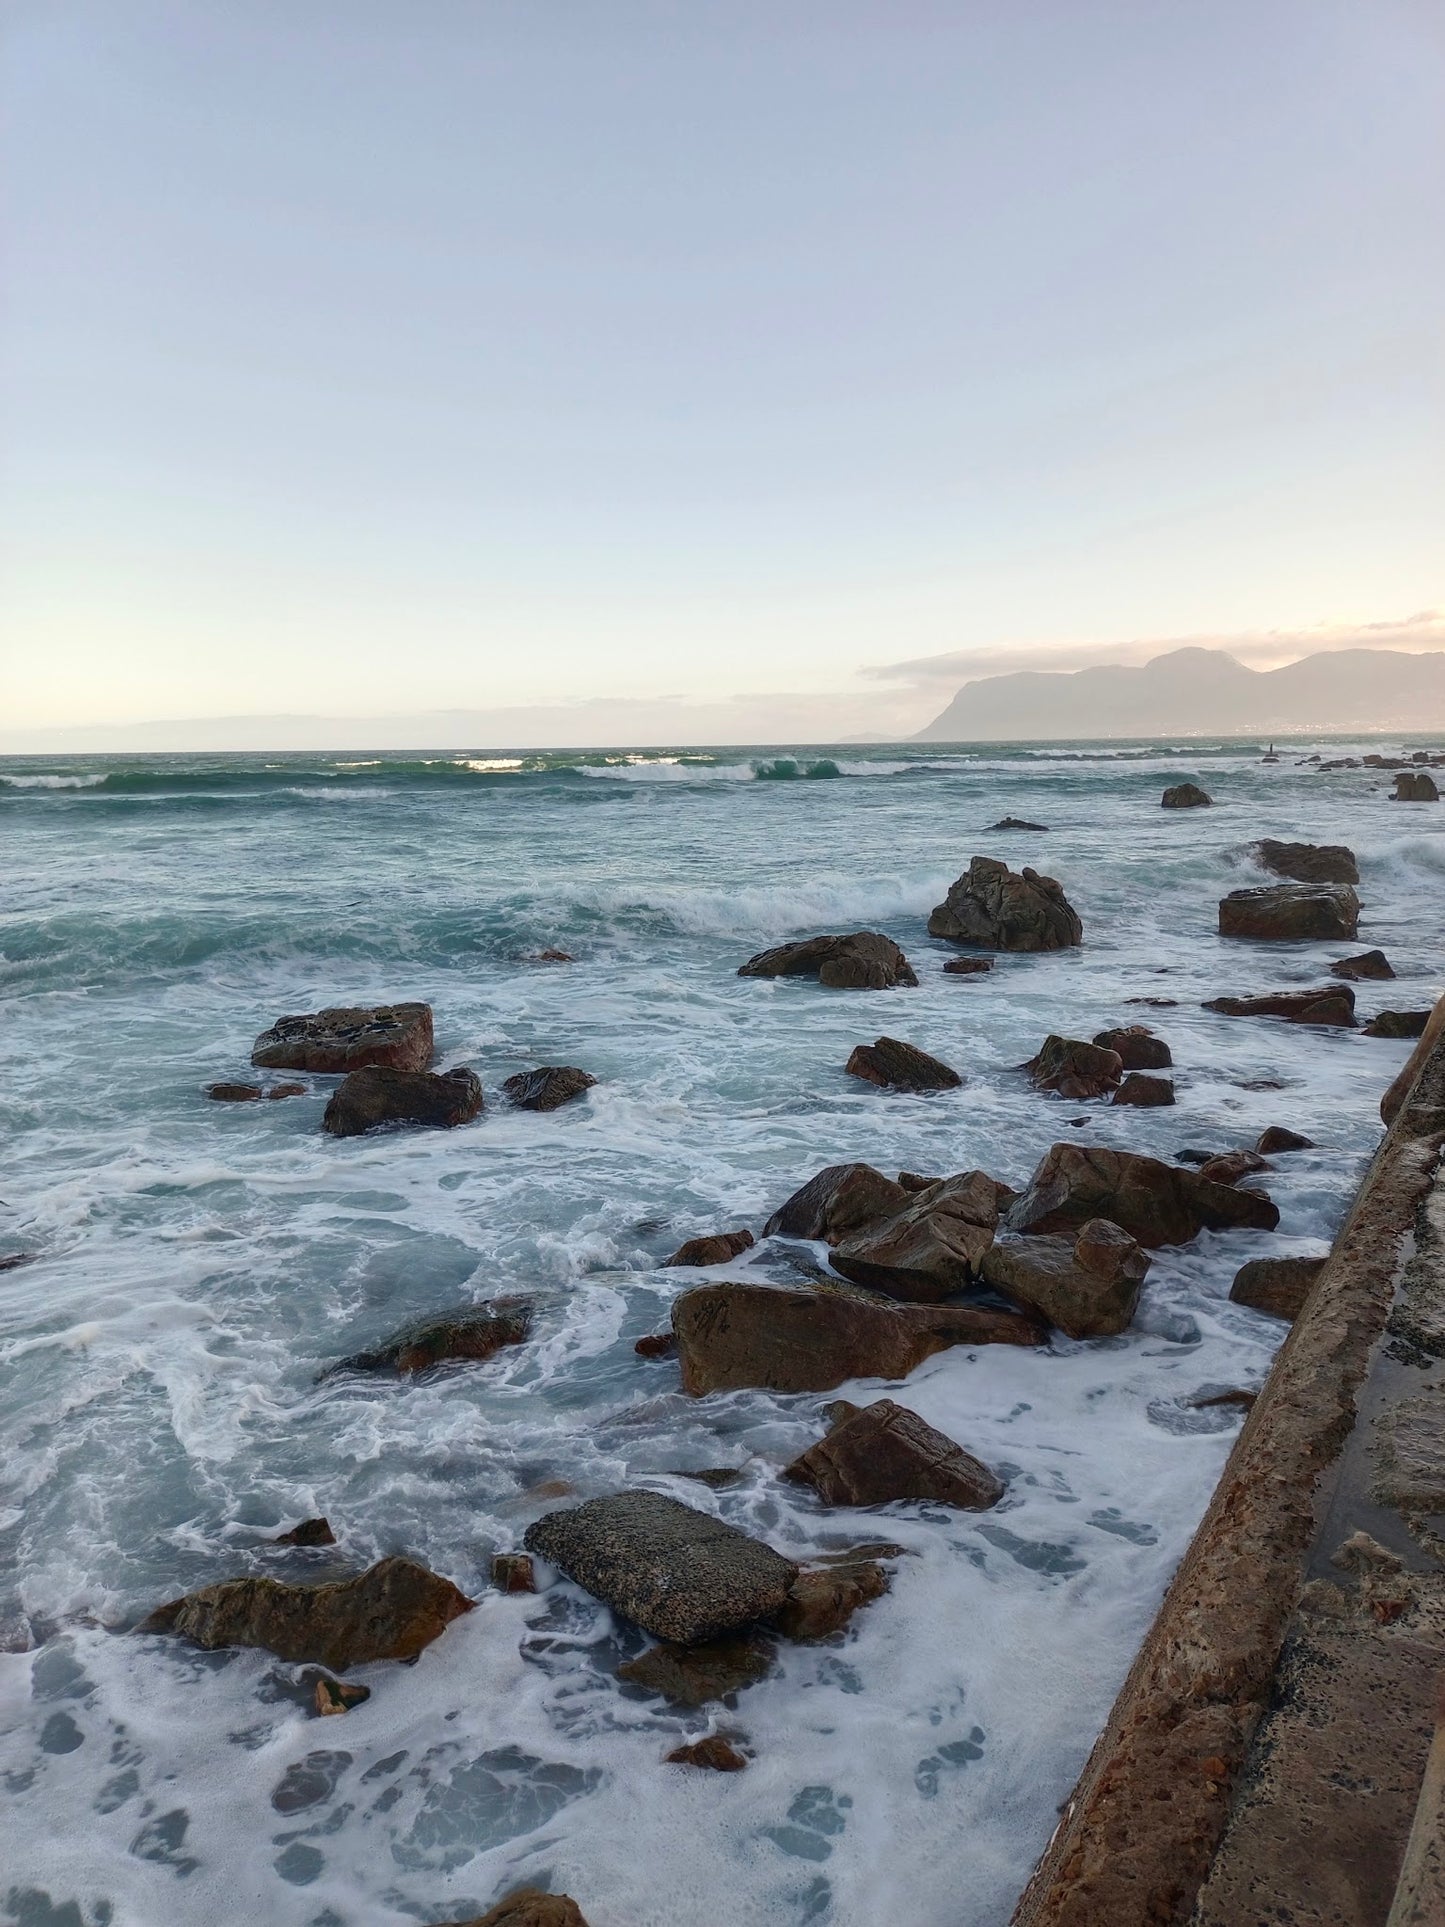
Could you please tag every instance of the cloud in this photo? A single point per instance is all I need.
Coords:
(1259, 648)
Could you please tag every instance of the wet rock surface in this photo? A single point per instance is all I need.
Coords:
(529, 1907)
(715, 1753)
(1018, 823)
(1157, 1203)
(1088, 1285)
(863, 960)
(992, 908)
(719, 1248)
(1332, 1005)
(1290, 912)
(1369, 966)
(1074, 1069)
(1228, 1167)
(1278, 1137)
(676, 1572)
(547, 1088)
(310, 1532)
(514, 1572)
(695, 1675)
(1136, 1047)
(1397, 1023)
(472, 1332)
(1308, 862)
(1144, 1091)
(823, 1599)
(883, 1452)
(931, 1248)
(1185, 796)
(1278, 1286)
(346, 1038)
(840, 1199)
(968, 966)
(1415, 787)
(333, 1697)
(896, 1066)
(371, 1098)
(392, 1611)
(785, 1339)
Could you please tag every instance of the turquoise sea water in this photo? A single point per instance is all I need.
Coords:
(195, 1265)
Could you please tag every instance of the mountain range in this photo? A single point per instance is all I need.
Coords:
(1201, 692)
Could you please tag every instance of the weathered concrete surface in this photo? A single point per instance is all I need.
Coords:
(1264, 1759)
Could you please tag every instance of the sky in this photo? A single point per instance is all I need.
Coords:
(705, 370)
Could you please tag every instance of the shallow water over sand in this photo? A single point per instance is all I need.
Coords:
(196, 1264)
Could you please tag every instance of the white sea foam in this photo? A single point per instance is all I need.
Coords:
(15, 781)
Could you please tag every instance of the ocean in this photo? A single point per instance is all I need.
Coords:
(195, 1265)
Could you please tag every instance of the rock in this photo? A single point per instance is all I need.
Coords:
(1214, 1399)
(1159, 1204)
(865, 960)
(785, 1339)
(824, 1598)
(1400, 1089)
(897, 1066)
(1230, 1166)
(1136, 1047)
(287, 1090)
(12, 1260)
(392, 1611)
(885, 1452)
(394, 1037)
(1142, 1089)
(695, 1675)
(335, 1696)
(514, 1572)
(551, 956)
(715, 1250)
(990, 908)
(1369, 965)
(1088, 1286)
(1415, 788)
(930, 1249)
(840, 1199)
(657, 1345)
(1278, 1286)
(1290, 912)
(1397, 1023)
(676, 1572)
(234, 1093)
(547, 1088)
(529, 1907)
(1331, 1004)
(472, 1332)
(1185, 796)
(1017, 823)
(1155, 1003)
(371, 1098)
(1074, 1069)
(967, 966)
(715, 1753)
(915, 1181)
(1277, 1138)
(310, 1532)
(1308, 862)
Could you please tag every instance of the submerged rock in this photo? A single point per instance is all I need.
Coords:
(864, 960)
(1139, 1088)
(547, 1088)
(1136, 1047)
(1074, 1069)
(897, 1066)
(234, 1093)
(1309, 862)
(1088, 1285)
(696, 1675)
(1397, 1023)
(392, 1611)
(1415, 787)
(1278, 1286)
(824, 1598)
(716, 1249)
(1370, 965)
(1276, 1137)
(371, 1098)
(967, 966)
(310, 1532)
(1290, 912)
(529, 1907)
(1018, 823)
(991, 908)
(715, 1753)
(513, 1572)
(840, 1199)
(335, 1696)
(395, 1037)
(676, 1572)
(1157, 1203)
(1230, 1166)
(931, 1248)
(784, 1339)
(657, 1345)
(1185, 796)
(1330, 1005)
(884, 1452)
(471, 1332)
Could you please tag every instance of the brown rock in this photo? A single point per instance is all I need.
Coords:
(916, 1181)
(370, 1098)
(1370, 965)
(287, 1090)
(1278, 1286)
(1141, 1089)
(657, 1345)
(1088, 1286)
(396, 1037)
(310, 1532)
(392, 1611)
(1309, 862)
(1277, 1138)
(715, 1753)
(514, 1572)
(784, 1339)
(552, 956)
(967, 966)
(885, 1452)
(1185, 796)
(547, 1088)
(990, 908)
(234, 1093)
(1331, 1004)
(529, 1907)
(472, 1332)
(696, 1675)
(1230, 1166)
(1159, 1204)
(1136, 1047)
(1397, 1024)
(897, 1066)
(824, 1598)
(1400, 1089)
(1290, 912)
(335, 1696)
(840, 1199)
(1074, 1069)
(930, 1249)
(865, 960)
(715, 1250)
(1018, 823)
(1415, 788)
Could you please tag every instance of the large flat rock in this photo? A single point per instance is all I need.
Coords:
(347, 1038)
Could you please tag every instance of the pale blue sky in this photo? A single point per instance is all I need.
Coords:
(373, 355)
